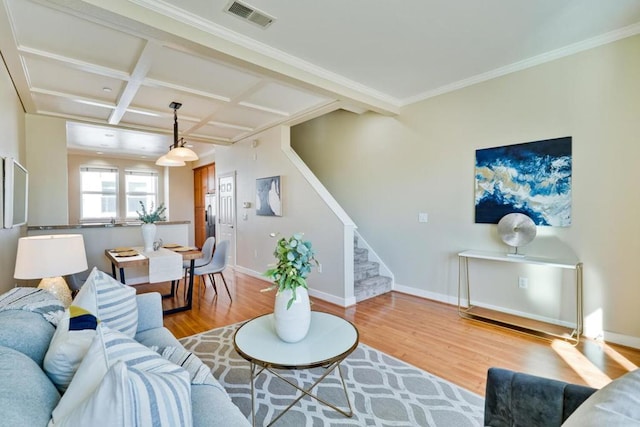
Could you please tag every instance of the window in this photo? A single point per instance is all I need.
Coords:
(141, 186)
(99, 188)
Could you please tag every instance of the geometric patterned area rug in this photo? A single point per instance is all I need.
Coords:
(384, 391)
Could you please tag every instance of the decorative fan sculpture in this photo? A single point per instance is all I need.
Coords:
(516, 229)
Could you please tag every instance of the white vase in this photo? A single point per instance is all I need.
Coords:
(148, 236)
(292, 324)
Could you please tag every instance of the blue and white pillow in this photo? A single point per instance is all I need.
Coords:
(122, 382)
(199, 372)
(110, 301)
(70, 342)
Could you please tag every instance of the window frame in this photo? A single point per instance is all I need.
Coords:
(146, 194)
(115, 192)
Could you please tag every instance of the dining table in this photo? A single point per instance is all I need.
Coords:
(121, 259)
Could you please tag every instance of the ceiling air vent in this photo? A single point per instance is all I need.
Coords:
(248, 13)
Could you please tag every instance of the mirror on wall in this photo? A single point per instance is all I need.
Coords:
(15, 193)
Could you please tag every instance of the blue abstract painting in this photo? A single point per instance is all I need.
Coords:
(533, 178)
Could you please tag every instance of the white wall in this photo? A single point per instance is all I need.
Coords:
(384, 170)
(47, 159)
(303, 211)
(12, 144)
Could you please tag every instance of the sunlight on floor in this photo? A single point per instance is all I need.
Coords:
(618, 358)
(589, 372)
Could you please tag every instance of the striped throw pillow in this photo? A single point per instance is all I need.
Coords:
(110, 301)
(199, 372)
(145, 388)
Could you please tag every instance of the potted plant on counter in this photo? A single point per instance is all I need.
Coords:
(149, 218)
(292, 310)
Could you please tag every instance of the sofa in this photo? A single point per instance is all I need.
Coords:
(519, 399)
(28, 396)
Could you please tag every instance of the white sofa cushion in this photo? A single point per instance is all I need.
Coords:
(616, 404)
(69, 344)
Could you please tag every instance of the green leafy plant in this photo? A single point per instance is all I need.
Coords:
(153, 215)
(295, 258)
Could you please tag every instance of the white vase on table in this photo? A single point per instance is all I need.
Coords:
(148, 236)
(292, 324)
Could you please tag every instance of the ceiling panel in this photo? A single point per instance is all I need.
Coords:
(192, 105)
(196, 72)
(64, 34)
(220, 132)
(284, 98)
(44, 74)
(248, 117)
(70, 107)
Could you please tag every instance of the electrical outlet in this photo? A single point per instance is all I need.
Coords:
(523, 282)
(319, 268)
(255, 253)
(423, 217)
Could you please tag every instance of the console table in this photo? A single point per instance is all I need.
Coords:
(519, 323)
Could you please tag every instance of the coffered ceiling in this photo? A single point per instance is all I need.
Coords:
(112, 67)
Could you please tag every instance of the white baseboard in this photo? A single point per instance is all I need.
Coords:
(342, 302)
(447, 299)
(611, 337)
(453, 300)
(626, 340)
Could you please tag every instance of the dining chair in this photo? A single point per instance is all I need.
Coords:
(207, 255)
(216, 266)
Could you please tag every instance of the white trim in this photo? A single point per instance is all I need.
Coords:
(447, 299)
(313, 180)
(626, 340)
(453, 300)
(342, 302)
(571, 49)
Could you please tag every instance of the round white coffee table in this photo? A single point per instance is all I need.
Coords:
(329, 341)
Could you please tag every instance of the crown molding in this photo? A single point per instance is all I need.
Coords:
(253, 45)
(562, 52)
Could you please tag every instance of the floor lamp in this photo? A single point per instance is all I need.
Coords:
(49, 258)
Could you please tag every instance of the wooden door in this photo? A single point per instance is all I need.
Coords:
(204, 179)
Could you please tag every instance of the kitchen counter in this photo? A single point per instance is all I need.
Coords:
(100, 225)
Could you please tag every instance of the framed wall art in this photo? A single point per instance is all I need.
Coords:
(268, 196)
(533, 178)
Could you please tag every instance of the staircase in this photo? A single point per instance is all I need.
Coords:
(368, 282)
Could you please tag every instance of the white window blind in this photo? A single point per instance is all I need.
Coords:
(141, 186)
(99, 193)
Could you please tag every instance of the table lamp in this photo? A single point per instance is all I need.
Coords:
(48, 258)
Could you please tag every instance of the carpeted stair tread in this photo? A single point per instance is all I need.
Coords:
(371, 287)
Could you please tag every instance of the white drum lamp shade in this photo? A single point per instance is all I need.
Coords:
(166, 161)
(48, 258)
(182, 153)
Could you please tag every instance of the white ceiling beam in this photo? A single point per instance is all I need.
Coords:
(160, 83)
(75, 63)
(135, 81)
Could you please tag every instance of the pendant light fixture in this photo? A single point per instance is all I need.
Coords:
(178, 154)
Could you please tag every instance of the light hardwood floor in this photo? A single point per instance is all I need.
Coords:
(424, 333)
